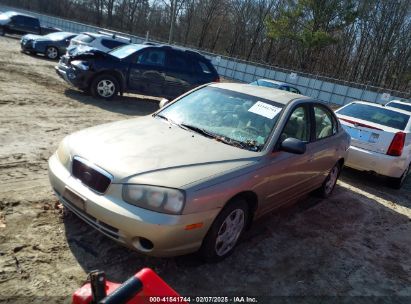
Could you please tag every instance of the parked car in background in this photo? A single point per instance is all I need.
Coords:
(51, 45)
(276, 85)
(195, 174)
(102, 41)
(17, 23)
(380, 139)
(399, 105)
(155, 70)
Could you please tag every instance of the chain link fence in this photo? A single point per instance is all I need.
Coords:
(319, 87)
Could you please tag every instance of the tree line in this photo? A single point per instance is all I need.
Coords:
(363, 41)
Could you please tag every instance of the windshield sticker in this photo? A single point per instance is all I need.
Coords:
(264, 109)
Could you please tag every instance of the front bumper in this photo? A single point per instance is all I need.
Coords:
(128, 224)
(364, 160)
(73, 76)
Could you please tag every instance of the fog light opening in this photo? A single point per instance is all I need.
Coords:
(146, 244)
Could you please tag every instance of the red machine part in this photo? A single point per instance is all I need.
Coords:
(152, 286)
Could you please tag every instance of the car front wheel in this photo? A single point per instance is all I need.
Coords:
(104, 86)
(225, 232)
(52, 52)
(2, 31)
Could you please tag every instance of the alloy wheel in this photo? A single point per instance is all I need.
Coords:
(105, 88)
(229, 232)
(52, 53)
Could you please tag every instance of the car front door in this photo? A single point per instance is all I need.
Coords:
(147, 72)
(289, 175)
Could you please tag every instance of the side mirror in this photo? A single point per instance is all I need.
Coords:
(293, 145)
(163, 102)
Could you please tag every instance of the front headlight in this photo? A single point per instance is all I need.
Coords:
(160, 199)
(82, 65)
(63, 152)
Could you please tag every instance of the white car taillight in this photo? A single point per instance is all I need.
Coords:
(397, 144)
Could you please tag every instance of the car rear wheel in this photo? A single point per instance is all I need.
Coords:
(397, 183)
(329, 184)
(104, 86)
(225, 232)
(52, 52)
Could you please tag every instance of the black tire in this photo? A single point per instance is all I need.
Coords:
(2, 31)
(98, 84)
(327, 187)
(52, 53)
(398, 182)
(211, 250)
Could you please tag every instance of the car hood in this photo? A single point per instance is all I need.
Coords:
(151, 151)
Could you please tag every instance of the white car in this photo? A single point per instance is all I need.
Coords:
(102, 41)
(380, 139)
(406, 106)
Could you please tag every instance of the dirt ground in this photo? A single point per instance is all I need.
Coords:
(357, 243)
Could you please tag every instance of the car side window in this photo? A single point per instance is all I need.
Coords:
(111, 44)
(294, 90)
(204, 67)
(152, 57)
(177, 61)
(297, 125)
(325, 124)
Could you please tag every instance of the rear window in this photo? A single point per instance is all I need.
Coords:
(399, 106)
(266, 84)
(84, 38)
(377, 115)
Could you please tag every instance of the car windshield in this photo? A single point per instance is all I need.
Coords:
(126, 50)
(399, 106)
(234, 118)
(385, 117)
(58, 35)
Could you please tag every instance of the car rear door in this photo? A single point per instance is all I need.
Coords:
(147, 72)
(325, 145)
(180, 75)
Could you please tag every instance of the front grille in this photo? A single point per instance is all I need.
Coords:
(91, 176)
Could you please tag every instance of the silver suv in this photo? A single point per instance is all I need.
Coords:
(102, 41)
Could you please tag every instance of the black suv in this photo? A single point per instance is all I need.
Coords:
(155, 70)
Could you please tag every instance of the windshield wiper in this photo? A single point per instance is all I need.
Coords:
(249, 144)
(198, 130)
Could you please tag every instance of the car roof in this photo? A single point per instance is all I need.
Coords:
(14, 13)
(279, 96)
(377, 105)
(175, 48)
